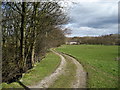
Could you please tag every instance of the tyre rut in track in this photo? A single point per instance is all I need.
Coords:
(49, 80)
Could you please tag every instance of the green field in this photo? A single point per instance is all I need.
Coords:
(41, 70)
(99, 61)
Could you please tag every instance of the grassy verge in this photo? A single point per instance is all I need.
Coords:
(65, 80)
(41, 70)
(99, 61)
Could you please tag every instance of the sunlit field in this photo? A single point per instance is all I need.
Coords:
(99, 61)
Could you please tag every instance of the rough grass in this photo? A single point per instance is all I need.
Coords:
(12, 85)
(67, 78)
(99, 61)
(41, 70)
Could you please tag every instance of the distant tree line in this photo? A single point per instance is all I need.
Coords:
(28, 30)
(112, 39)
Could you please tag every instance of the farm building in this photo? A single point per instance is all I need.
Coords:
(72, 43)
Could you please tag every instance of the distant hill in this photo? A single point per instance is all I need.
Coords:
(112, 39)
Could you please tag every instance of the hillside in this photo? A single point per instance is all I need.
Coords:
(112, 39)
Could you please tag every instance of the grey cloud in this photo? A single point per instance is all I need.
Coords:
(100, 16)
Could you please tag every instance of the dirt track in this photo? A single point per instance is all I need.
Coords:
(80, 81)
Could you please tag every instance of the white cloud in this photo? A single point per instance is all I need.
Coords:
(93, 0)
(88, 31)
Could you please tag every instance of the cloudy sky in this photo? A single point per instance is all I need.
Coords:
(93, 17)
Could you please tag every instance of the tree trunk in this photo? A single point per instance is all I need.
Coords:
(34, 33)
(22, 42)
(33, 53)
